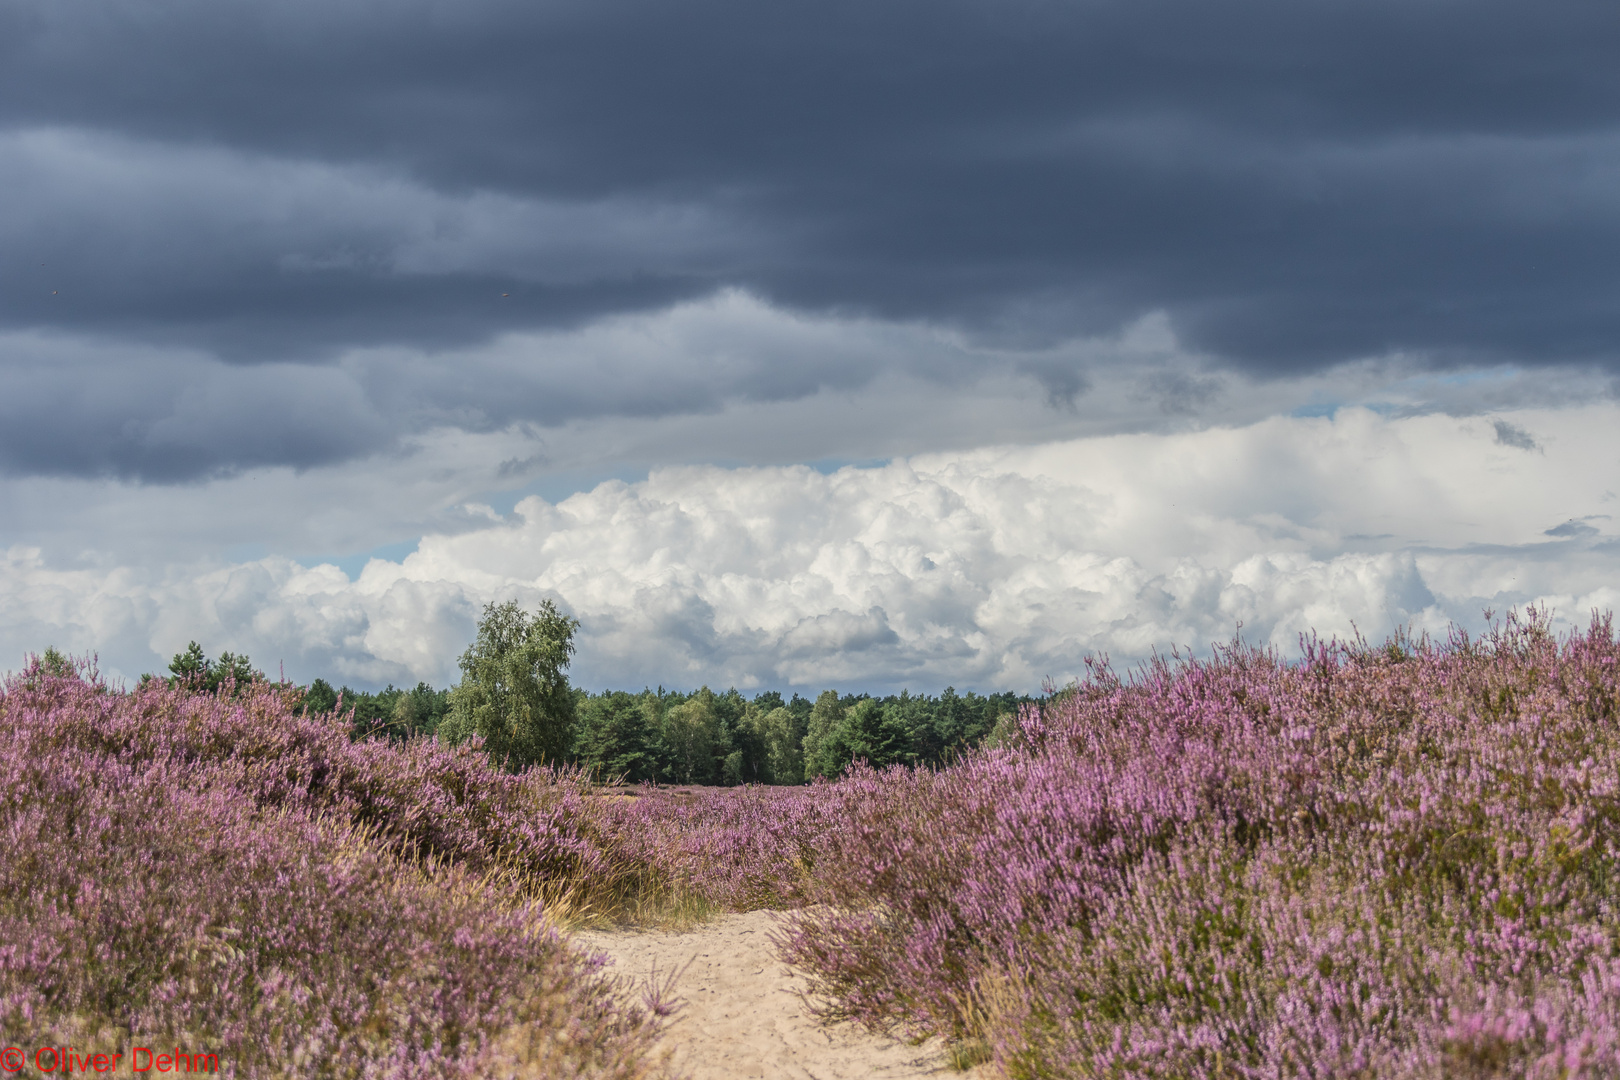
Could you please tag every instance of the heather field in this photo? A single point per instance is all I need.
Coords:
(1391, 860)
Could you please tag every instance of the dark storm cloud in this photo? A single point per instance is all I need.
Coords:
(167, 416)
(1293, 184)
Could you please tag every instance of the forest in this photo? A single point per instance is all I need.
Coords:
(702, 737)
(674, 737)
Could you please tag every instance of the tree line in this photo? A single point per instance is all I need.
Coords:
(514, 694)
(724, 738)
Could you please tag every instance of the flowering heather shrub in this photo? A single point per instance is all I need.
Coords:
(436, 802)
(1391, 862)
(1380, 862)
(221, 875)
(739, 848)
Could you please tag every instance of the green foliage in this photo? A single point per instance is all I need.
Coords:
(192, 667)
(513, 692)
(692, 736)
(616, 734)
(748, 747)
(722, 738)
(877, 734)
(321, 698)
(54, 664)
(782, 733)
(823, 747)
(515, 696)
(417, 712)
(392, 713)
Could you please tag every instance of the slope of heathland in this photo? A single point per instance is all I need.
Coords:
(1392, 861)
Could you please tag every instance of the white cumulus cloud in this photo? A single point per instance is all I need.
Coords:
(991, 568)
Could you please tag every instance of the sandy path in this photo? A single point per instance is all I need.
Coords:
(741, 1017)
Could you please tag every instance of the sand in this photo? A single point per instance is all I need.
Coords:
(741, 1015)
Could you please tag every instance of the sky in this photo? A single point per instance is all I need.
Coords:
(801, 345)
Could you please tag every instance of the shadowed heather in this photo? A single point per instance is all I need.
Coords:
(224, 875)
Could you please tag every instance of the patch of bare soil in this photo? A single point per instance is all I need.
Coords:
(741, 1015)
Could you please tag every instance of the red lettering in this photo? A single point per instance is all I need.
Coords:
(101, 1064)
(39, 1059)
(144, 1059)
